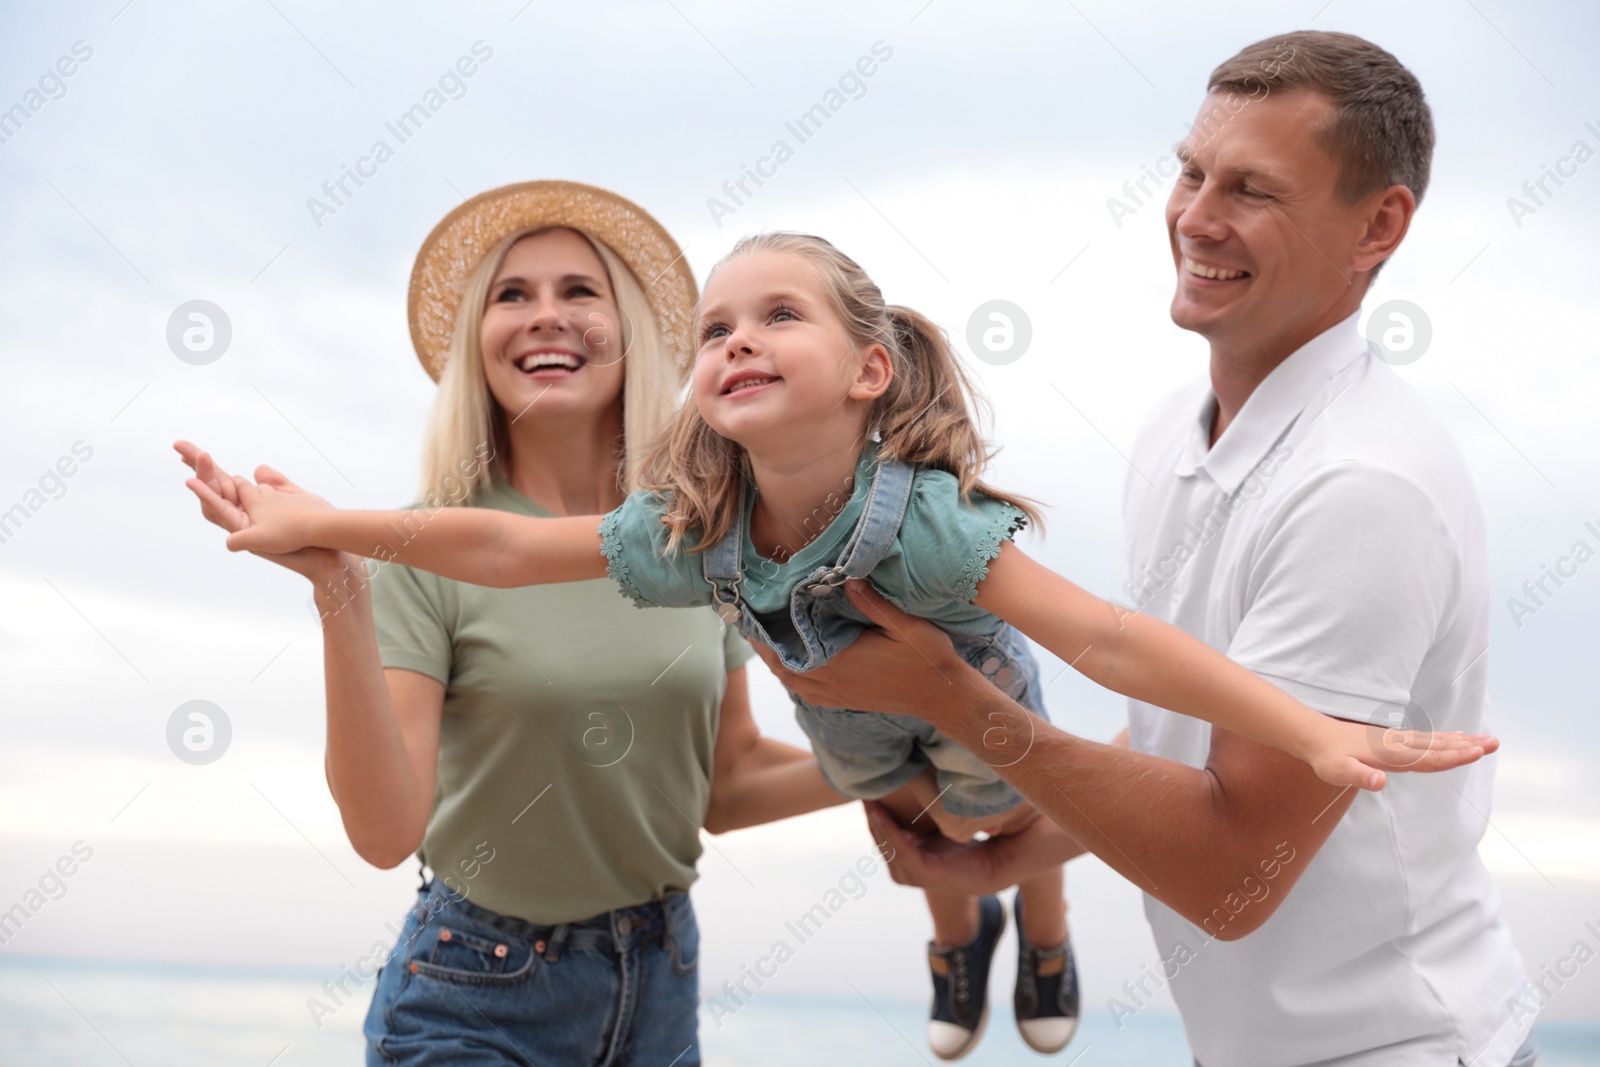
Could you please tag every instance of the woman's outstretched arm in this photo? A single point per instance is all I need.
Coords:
(382, 724)
(478, 545)
(1149, 660)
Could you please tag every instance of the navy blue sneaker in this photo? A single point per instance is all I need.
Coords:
(961, 985)
(1046, 998)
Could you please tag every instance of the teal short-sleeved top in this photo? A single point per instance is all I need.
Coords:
(941, 553)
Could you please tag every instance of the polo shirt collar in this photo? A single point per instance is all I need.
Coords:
(1268, 411)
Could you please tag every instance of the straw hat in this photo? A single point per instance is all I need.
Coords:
(469, 233)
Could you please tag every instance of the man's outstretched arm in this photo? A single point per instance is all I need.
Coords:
(1241, 829)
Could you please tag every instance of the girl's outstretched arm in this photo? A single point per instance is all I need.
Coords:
(477, 545)
(1149, 660)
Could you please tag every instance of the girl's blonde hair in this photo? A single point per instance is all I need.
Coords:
(924, 418)
(468, 441)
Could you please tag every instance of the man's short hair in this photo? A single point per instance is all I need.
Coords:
(1381, 133)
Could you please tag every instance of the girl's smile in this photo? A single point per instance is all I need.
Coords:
(743, 383)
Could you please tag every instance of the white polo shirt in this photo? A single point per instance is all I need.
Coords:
(1332, 542)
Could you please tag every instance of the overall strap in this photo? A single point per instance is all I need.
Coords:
(880, 521)
(721, 563)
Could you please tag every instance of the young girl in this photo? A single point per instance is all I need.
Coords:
(830, 437)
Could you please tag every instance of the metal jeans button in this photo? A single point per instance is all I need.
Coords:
(624, 924)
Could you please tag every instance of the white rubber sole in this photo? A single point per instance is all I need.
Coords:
(972, 1043)
(1048, 1050)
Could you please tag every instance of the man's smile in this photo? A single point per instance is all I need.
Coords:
(1195, 268)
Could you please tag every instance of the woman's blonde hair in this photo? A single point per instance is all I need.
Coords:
(925, 417)
(468, 443)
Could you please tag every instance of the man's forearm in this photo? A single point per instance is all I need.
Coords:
(1202, 841)
(1168, 828)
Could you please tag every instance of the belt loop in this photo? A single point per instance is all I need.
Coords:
(558, 937)
(670, 937)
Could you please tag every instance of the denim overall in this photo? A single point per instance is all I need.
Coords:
(870, 754)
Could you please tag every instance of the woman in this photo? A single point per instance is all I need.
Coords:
(550, 753)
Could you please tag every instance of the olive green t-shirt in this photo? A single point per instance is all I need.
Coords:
(577, 735)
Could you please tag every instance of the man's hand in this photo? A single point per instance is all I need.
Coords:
(905, 666)
(933, 861)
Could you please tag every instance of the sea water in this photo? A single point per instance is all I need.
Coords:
(69, 1013)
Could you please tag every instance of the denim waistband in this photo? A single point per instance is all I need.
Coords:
(608, 929)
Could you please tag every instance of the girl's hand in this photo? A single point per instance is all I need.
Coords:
(1355, 754)
(221, 504)
(279, 519)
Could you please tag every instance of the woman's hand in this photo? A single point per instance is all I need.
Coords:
(1356, 754)
(220, 504)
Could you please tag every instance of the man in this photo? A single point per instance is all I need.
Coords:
(1304, 511)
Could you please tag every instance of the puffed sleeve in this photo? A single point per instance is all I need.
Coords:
(634, 543)
(947, 543)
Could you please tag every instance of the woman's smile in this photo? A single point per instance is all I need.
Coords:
(549, 361)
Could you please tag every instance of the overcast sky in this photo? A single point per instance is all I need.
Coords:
(176, 162)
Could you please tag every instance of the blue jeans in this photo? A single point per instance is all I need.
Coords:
(469, 986)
